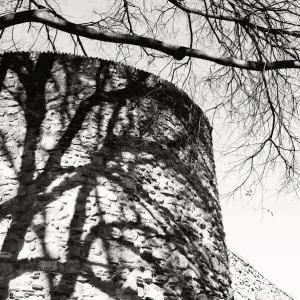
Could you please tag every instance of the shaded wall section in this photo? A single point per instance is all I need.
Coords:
(107, 185)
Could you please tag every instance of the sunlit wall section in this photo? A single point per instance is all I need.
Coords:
(107, 185)
(248, 283)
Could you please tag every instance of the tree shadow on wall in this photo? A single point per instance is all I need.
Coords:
(95, 220)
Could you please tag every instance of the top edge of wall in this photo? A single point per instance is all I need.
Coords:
(250, 266)
(171, 87)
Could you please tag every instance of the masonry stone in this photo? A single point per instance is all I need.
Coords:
(107, 185)
(248, 283)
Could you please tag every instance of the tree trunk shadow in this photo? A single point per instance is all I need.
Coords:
(108, 146)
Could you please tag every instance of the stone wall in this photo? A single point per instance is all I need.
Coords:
(107, 185)
(248, 284)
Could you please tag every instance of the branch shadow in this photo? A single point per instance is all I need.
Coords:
(91, 218)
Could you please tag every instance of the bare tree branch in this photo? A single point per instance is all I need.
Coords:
(253, 46)
(46, 17)
(244, 21)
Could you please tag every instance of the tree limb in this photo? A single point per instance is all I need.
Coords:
(46, 17)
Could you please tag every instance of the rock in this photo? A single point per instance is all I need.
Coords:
(215, 263)
(158, 254)
(13, 246)
(52, 251)
(169, 292)
(127, 156)
(190, 274)
(180, 178)
(37, 287)
(173, 280)
(147, 276)
(115, 233)
(161, 279)
(129, 184)
(5, 254)
(130, 235)
(63, 215)
(99, 295)
(26, 252)
(130, 285)
(61, 267)
(138, 274)
(112, 196)
(146, 156)
(73, 266)
(5, 269)
(168, 193)
(101, 191)
(108, 219)
(179, 260)
(146, 252)
(157, 172)
(178, 290)
(122, 272)
(105, 201)
(204, 255)
(162, 164)
(35, 275)
(110, 165)
(30, 237)
(77, 178)
(116, 176)
(154, 292)
(48, 265)
(32, 246)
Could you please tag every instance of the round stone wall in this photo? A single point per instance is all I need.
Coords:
(107, 185)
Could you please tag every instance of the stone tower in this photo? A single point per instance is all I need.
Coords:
(107, 185)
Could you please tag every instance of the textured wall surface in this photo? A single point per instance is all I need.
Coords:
(107, 185)
(248, 284)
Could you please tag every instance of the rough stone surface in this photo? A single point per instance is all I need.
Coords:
(107, 185)
(107, 188)
(247, 283)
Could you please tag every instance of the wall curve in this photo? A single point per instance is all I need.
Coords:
(249, 284)
(108, 187)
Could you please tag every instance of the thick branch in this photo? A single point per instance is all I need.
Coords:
(45, 17)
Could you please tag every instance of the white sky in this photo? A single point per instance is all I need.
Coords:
(269, 242)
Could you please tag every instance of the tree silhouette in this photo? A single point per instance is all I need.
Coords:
(255, 51)
(254, 47)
